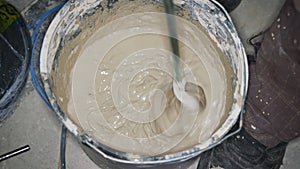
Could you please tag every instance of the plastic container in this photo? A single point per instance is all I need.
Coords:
(15, 51)
(212, 16)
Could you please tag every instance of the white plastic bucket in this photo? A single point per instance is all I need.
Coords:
(212, 16)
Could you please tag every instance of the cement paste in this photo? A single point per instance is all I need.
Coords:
(116, 81)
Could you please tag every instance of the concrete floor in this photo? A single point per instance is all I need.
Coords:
(34, 124)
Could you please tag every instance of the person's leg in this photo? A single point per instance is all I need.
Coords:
(272, 114)
(242, 152)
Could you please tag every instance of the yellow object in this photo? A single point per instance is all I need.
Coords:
(8, 14)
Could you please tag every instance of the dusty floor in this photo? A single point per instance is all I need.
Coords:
(34, 124)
